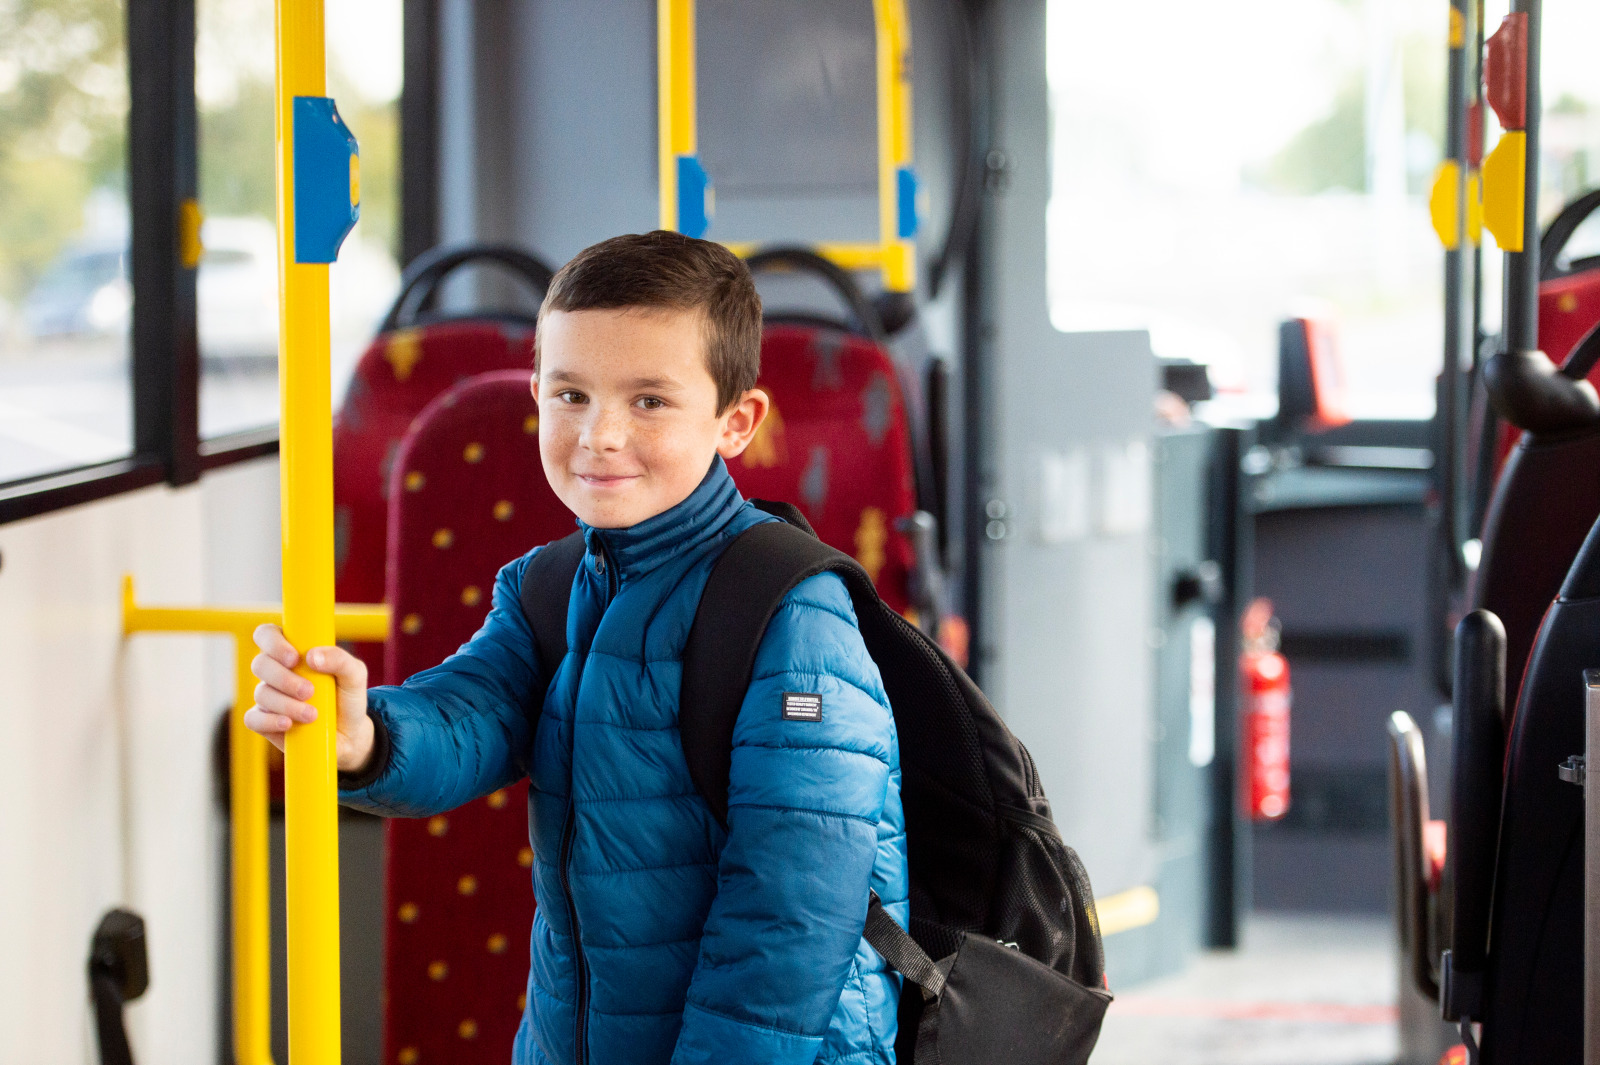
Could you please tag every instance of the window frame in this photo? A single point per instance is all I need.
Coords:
(164, 345)
(163, 171)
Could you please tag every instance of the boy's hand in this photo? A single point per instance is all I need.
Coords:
(281, 695)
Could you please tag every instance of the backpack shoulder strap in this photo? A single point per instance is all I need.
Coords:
(546, 591)
(749, 581)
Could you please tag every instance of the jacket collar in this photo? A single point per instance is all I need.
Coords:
(638, 549)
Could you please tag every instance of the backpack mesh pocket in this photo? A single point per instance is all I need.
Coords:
(1043, 903)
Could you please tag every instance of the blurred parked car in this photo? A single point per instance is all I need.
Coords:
(85, 292)
(238, 290)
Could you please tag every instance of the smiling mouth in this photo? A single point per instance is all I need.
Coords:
(606, 480)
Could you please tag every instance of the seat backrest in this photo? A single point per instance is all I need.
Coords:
(419, 352)
(1569, 298)
(468, 494)
(1569, 306)
(1533, 1008)
(400, 373)
(837, 445)
(1477, 783)
(1311, 379)
(1546, 486)
(1545, 500)
(1408, 817)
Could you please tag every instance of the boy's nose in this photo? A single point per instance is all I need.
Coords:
(604, 430)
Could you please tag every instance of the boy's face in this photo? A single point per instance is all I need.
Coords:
(628, 418)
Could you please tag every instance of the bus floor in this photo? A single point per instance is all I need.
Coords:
(1314, 989)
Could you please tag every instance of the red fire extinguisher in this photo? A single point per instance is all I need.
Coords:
(1264, 687)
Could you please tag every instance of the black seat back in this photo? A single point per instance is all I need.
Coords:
(1547, 497)
(1477, 759)
(1533, 993)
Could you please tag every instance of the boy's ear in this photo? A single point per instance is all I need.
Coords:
(741, 421)
(533, 384)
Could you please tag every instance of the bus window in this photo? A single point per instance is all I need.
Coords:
(1237, 170)
(238, 295)
(65, 299)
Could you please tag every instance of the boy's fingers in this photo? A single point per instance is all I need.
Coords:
(348, 671)
(271, 726)
(266, 722)
(269, 670)
(274, 643)
(274, 701)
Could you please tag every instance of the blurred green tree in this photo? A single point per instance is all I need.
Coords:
(63, 125)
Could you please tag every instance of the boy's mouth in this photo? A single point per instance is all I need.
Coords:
(606, 480)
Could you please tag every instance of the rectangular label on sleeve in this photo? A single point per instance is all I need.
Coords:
(802, 706)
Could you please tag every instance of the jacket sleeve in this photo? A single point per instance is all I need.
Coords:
(804, 802)
(461, 729)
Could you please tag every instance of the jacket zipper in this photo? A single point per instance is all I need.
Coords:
(580, 1036)
(569, 832)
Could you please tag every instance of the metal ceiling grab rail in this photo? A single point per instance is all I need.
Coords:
(686, 192)
(247, 794)
(318, 179)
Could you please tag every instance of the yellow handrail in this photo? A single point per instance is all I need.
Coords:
(247, 793)
(311, 820)
(894, 140)
(675, 98)
(893, 254)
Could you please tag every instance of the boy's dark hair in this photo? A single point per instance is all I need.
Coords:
(670, 271)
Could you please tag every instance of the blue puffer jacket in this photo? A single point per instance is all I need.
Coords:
(659, 937)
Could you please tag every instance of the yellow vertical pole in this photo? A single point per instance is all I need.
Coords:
(675, 98)
(247, 782)
(894, 139)
(311, 824)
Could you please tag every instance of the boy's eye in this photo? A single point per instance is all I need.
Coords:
(651, 403)
(571, 395)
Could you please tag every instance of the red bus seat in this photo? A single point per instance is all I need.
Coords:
(416, 355)
(467, 495)
(836, 444)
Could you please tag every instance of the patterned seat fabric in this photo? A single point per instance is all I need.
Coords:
(397, 376)
(837, 445)
(1569, 307)
(467, 495)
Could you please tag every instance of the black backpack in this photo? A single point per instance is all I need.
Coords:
(996, 895)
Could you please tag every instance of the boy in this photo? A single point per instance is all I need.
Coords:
(658, 937)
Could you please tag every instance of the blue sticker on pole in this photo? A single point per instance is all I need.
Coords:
(905, 188)
(327, 180)
(694, 197)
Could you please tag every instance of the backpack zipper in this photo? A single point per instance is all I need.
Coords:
(569, 832)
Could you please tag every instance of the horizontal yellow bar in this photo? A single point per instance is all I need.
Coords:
(351, 621)
(846, 256)
(1127, 910)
